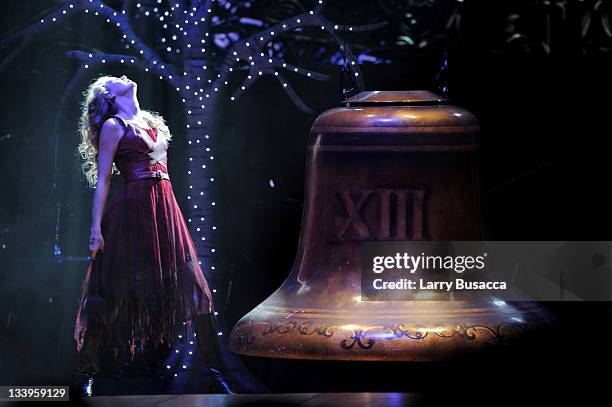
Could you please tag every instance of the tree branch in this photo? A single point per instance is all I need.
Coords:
(182, 3)
(25, 35)
(303, 71)
(244, 51)
(349, 59)
(126, 5)
(206, 5)
(358, 28)
(252, 78)
(293, 94)
(29, 30)
(319, 7)
(176, 16)
(115, 59)
(117, 19)
(153, 60)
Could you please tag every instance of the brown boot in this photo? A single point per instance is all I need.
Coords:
(205, 326)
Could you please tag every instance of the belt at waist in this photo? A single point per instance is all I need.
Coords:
(159, 174)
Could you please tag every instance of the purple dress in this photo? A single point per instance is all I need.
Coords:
(148, 273)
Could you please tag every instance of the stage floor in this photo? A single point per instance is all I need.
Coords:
(271, 400)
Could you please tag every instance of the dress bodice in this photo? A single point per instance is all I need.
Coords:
(140, 151)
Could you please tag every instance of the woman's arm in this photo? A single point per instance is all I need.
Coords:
(110, 135)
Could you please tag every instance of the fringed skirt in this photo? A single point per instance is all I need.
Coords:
(147, 280)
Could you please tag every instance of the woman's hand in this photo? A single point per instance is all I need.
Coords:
(96, 243)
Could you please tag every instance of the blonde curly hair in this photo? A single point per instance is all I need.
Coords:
(97, 106)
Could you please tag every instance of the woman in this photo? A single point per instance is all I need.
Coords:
(144, 281)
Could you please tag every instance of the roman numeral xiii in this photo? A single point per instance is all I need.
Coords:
(399, 215)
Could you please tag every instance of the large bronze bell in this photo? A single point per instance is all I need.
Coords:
(383, 166)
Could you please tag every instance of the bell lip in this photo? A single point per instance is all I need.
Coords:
(396, 98)
(471, 327)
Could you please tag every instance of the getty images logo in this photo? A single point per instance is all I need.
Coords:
(412, 263)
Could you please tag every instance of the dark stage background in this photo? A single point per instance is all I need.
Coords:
(535, 74)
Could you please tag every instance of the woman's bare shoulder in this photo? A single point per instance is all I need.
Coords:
(112, 129)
